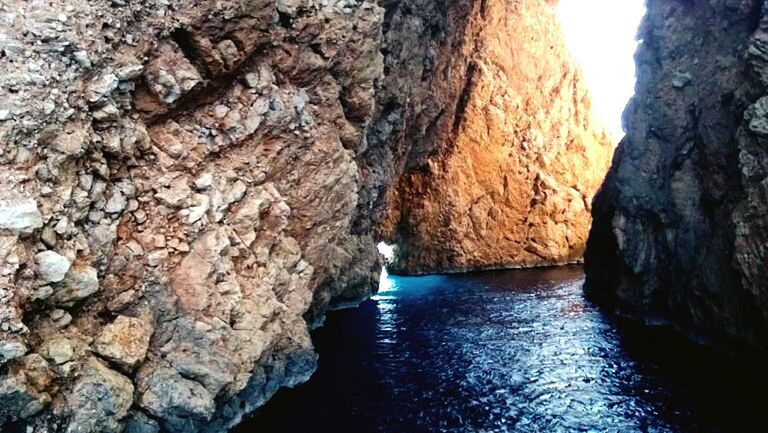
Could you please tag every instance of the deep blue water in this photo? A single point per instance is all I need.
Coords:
(509, 351)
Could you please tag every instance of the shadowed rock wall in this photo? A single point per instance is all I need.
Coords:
(679, 234)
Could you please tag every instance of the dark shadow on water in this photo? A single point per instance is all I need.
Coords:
(713, 392)
(651, 380)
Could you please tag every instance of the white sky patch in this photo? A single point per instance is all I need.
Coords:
(601, 35)
(388, 251)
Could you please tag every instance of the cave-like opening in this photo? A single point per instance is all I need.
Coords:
(601, 35)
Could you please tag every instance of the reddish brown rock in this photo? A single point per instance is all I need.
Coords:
(125, 341)
(516, 157)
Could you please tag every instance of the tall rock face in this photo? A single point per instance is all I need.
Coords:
(179, 183)
(680, 234)
(510, 155)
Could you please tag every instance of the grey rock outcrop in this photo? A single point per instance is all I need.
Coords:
(177, 210)
(679, 234)
(172, 205)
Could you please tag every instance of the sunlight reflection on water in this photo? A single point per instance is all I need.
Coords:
(508, 351)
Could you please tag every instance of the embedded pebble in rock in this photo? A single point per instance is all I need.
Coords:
(11, 350)
(71, 141)
(37, 371)
(176, 194)
(80, 282)
(201, 204)
(116, 203)
(51, 266)
(129, 71)
(102, 87)
(124, 341)
(81, 57)
(44, 292)
(156, 257)
(20, 216)
(204, 181)
(170, 74)
(58, 350)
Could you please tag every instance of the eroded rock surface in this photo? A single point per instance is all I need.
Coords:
(187, 187)
(680, 231)
(179, 183)
(513, 155)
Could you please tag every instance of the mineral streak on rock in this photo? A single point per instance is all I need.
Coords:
(187, 187)
(680, 233)
(515, 155)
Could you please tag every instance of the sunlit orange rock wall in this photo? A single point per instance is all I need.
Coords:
(515, 162)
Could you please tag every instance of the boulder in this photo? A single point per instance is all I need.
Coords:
(51, 266)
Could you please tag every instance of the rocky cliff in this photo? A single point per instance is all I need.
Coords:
(187, 187)
(179, 185)
(515, 155)
(680, 233)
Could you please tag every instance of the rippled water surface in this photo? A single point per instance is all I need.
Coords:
(508, 351)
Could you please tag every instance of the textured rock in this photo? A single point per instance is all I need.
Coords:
(20, 216)
(177, 401)
(99, 399)
(51, 266)
(137, 422)
(11, 350)
(58, 350)
(516, 155)
(201, 184)
(218, 171)
(79, 283)
(680, 235)
(18, 397)
(125, 341)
